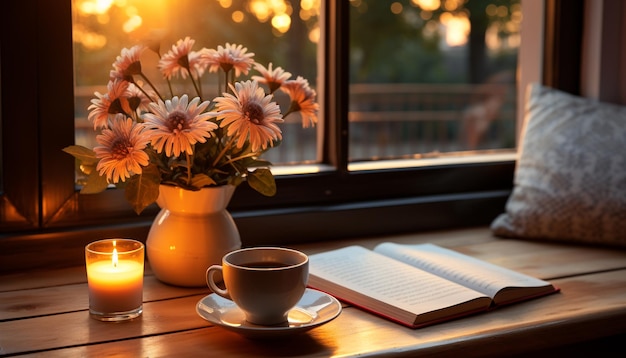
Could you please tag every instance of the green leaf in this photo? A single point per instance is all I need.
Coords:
(143, 189)
(95, 183)
(262, 181)
(85, 155)
(258, 163)
(200, 180)
(235, 180)
(87, 169)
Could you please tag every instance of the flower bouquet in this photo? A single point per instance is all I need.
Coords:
(151, 136)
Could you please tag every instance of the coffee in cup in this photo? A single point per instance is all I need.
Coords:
(264, 282)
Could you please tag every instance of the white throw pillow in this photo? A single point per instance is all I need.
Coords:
(570, 177)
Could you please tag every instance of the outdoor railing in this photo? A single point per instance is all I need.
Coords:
(390, 121)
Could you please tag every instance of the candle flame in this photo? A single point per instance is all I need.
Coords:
(114, 259)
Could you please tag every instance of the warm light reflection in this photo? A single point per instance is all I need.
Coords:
(396, 8)
(260, 9)
(314, 35)
(457, 28)
(428, 5)
(143, 16)
(281, 22)
(89, 40)
(132, 24)
(309, 5)
(452, 5)
(280, 12)
(309, 8)
(114, 258)
(103, 18)
(509, 26)
(225, 3)
(426, 15)
(450, 18)
(95, 6)
(431, 29)
(237, 16)
(279, 6)
(140, 16)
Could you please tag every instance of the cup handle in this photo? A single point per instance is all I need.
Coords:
(210, 280)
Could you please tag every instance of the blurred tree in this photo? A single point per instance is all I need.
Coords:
(401, 41)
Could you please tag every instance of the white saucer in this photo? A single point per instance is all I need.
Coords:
(314, 309)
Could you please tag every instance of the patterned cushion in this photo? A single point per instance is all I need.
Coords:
(570, 178)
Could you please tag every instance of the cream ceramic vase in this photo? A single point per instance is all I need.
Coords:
(192, 231)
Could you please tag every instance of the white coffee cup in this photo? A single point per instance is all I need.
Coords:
(264, 282)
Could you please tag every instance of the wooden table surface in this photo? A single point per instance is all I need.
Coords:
(46, 312)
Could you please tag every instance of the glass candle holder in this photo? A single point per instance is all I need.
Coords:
(115, 279)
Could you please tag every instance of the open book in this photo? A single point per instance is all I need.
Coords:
(418, 285)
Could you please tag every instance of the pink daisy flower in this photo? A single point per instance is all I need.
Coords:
(176, 125)
(250, 114)
(121, 149)
(107, 105)
(128, 63)
(302, 100)
(229, 57)
(180, 60)
(198, 63)
(273, 78)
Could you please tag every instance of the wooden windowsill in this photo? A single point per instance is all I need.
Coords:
(46, 311)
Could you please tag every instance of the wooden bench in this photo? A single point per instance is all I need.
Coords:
(46, 312)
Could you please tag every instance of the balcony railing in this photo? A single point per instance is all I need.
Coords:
(391, 121)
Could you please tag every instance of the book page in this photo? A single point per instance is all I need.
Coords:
(477, 274)
(387, 280)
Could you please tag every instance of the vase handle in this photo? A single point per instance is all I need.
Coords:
(210, 280)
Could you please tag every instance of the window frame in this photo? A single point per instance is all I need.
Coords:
(38, 178)
(35, 124)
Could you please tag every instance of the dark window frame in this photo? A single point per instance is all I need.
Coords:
(38, 179)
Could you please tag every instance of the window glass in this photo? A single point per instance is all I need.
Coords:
(432, 76)
(282, 32)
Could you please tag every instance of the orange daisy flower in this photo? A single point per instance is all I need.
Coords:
(302, 100)
(176, 125)
(107, 105)
(229, 57)
(128, 63)
(249, 114)
(180, 60)
(273, 78)
(121, 149)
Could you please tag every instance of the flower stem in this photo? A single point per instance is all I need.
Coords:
(169, 85)
(195, 85)
(223, 151)
(151, 85)
(225, 82)
(189, 159)
(143, 91)
(219, 85)
(294, 106)
(232, 160)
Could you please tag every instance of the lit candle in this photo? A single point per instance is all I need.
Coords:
(115, 278)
